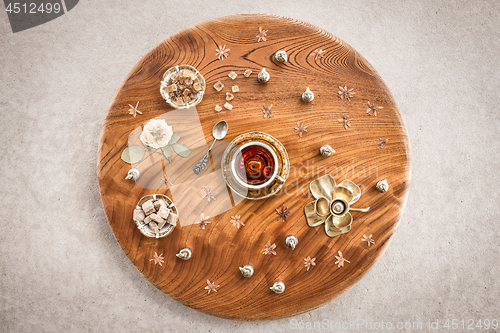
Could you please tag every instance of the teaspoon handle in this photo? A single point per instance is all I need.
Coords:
(203, 162)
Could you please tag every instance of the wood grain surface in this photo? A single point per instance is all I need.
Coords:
(221, 248)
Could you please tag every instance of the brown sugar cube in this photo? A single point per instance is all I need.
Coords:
(139, 215)
(218, 108)
(172, 219)
(156, 204)
(235, 89)
(228, 106)
(170, 88)
(162, 224)
(148, 207)
(179, 101)
(174, 77)
(218, 86)
(197, 87)
(160, 203)
(186, 92)
(154, 227)
(148, 219)
(193, 96)
(232, 75)
(163, 212)
(229, 96)
(156, 218)
(186, 99)
(181, 87)
(188, 82)
(247, 72)
(186, 73)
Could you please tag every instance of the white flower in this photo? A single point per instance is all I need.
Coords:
(156, 133)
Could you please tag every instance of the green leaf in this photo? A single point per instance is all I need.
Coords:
(167, 152)
(133, 154)
(174, 139)
(181, 149)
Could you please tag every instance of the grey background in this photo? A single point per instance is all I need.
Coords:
(61, 268)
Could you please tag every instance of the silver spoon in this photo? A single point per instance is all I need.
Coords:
(218, 132)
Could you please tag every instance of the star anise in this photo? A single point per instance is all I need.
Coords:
(211, 286)
(267, 111)
(369, 240)
(158, 259)
(346, 93)
(269, 248)
(262, 35)
(340, 260)
(221, 52)
(209, 194)
(166, 181)
(203, 221)
(382, 143)
(318, 54)
(309, 262)
(300, 128)
(372, 109)
(346, 121)
(283, 213)
(133, 110)
(235, 220)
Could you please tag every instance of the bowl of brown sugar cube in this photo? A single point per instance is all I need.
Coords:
(182, 86)
(155, 215)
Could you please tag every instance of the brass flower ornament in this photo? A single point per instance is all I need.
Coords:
(332, 205)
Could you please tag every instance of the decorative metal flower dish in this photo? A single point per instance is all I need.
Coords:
(333, 205)
(182, 86)
(234, 148)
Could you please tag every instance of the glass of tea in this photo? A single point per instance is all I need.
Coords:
(255, 165)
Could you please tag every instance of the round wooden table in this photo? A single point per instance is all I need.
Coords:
(369, 148)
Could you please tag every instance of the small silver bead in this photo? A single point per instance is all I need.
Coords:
(291, 241)
(281, 56)
(246, 271)
(263, 76)
(383, 186)
(308, 96)
(184, 254)
(133, 174)
(326, 150)
(278, 287)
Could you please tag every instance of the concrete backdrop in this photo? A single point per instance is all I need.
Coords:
(61, 269)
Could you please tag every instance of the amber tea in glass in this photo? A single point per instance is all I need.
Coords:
(255, 164)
